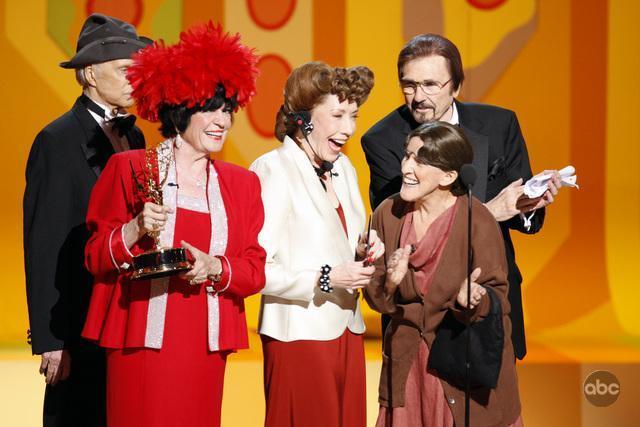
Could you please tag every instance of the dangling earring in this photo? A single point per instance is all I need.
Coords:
(177, 141)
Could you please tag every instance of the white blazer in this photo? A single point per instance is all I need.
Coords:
(302, 232)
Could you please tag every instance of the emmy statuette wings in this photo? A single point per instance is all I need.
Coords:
(160, 261)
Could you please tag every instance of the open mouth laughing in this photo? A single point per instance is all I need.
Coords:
(335, 144)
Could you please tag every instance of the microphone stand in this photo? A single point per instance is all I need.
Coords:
(468, 178)
(467, 388)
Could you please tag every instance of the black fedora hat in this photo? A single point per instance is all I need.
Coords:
(104, 38)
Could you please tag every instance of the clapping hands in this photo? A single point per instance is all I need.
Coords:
(477, 291)
(397, 267)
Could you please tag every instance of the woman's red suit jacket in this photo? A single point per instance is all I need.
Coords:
(119, 309)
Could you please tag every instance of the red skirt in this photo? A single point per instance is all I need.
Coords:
(181, 384)
(315, 383)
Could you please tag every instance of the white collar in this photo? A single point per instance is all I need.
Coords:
(118, 143)
(455, 119)
(108, 113)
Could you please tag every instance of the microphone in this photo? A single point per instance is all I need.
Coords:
(468, 175)
(302, 119)
(325, 165)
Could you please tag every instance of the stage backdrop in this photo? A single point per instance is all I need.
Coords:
(567, 67)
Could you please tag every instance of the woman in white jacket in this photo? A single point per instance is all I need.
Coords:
(310, 320)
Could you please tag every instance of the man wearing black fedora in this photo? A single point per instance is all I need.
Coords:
(65, 160)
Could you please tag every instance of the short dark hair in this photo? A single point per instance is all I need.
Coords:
(175, 119)
(424, 45)
(445, 147)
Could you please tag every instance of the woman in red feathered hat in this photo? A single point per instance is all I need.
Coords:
(168, 338)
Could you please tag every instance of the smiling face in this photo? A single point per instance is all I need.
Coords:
(108, 84)
(333, 124)
(207, 130)
(420, 180)
(431, 71)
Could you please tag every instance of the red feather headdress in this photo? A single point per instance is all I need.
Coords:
(189, 71)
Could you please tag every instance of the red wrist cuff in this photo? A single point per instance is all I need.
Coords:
(121, 256)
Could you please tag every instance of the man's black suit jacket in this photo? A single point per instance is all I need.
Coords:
(499, 157)
(64, 163)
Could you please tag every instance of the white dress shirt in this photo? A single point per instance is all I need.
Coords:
(455, 119)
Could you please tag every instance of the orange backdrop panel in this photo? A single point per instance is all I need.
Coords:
(558, 78)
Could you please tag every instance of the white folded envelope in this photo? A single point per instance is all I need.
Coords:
(536, 186)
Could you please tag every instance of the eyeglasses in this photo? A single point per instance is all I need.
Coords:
(429, 87)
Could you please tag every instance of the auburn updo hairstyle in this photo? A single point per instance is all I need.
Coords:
(309, 84)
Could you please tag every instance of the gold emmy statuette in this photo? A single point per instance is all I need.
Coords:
(159, 262)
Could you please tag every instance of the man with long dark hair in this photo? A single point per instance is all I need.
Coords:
(431, 76)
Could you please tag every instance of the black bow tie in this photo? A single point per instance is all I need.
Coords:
(123, 124)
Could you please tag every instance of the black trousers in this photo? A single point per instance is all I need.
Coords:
(80, 400)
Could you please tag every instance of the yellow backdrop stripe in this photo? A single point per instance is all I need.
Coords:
(622, 159)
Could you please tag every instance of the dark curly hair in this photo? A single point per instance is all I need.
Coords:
(444, 146)
(308, 85)
(175, 119)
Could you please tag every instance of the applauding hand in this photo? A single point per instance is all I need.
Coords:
(397, 268)
(477, 291)
(376, 247)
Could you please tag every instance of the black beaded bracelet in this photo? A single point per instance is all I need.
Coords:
(325, 281)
